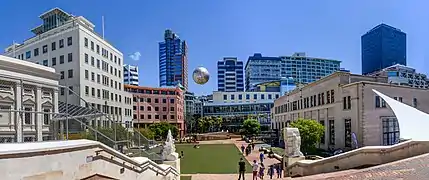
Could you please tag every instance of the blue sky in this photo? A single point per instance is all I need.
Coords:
(218, 28)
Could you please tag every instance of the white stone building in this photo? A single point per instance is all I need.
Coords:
(29, 87)
(87, 64)
(345, 104)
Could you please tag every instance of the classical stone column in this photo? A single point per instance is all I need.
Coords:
(39, 116)
(54, 124)
(18, 117)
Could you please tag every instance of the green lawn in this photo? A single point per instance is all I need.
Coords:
(210, 159)
(185, 178)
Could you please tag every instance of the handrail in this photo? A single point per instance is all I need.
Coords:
(367, 149)
(128, 159)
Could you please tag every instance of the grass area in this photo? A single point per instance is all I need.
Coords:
(210, 159)
(185, 178)
(279, 151)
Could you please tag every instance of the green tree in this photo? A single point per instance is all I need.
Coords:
(160, 130)
(310, 131)
(146, 132)
(251, 127)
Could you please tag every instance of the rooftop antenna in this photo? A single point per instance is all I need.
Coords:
(102, 25)
(14, 47)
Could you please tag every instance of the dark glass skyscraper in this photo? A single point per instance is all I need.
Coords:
(173, 61)
(383, 46)
(230, 75)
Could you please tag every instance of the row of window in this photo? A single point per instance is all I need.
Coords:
(102, 94)
(255, 96)
(60, 60)
(104, 52)
(307, 102)
(149, 100)
(149, 108)
(149, 116)
(150, 91)
(111, 109)
(45, 49)
(102, 79)
(104, 66)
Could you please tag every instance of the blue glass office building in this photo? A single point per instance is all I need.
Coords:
(261, 69)
(290, 70)
(173, 61)
(230, 75)
(383, 46)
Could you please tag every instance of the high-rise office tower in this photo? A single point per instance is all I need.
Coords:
(303, 69)
(173, 60)
(383, 46)
(260, 69)
(297, 68)
(87, 64)
(230, 75)
(131, 75)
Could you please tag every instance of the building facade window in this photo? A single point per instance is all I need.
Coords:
(348, 132)
(70, 57)
(54, 61)
(69, 41)
(62, 59)
(54, 46)
(36, 52)
(390, 131)
(86, 42)
(46, 116)
(28, 116)
(379, 102)
(331, 127)
(322, 138)
(45, 49)
(70, 73)
(61, 43)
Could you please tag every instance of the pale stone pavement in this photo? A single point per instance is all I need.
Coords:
(255, 156)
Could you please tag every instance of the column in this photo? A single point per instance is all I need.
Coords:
(18, 117)
(39, 116)
(57, 124)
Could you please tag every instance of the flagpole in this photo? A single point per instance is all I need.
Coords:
(14, 47)
(102, 25)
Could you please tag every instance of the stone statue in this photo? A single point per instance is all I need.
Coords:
(169, 149)
(292, 141)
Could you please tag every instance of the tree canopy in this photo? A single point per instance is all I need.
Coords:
(310, 131)
(160, 130)
(208, 123)
(251, 127)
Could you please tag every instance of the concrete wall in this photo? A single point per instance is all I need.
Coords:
(366, 156)
(78, 161)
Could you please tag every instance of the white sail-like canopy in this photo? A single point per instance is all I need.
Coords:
(413, 123)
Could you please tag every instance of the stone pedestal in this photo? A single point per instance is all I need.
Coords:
(293, 153)
(175, 164)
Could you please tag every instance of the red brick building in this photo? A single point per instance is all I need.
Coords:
(154, 105)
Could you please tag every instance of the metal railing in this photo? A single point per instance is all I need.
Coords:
(29, 126)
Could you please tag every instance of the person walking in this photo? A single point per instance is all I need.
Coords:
(255, 170)
(279, 170)
(261, 157)
(241, 169)
(271, 171)
(261, 171)
(242, 148)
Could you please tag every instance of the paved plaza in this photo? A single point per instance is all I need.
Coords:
(411, 168)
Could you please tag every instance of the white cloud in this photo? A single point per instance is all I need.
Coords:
(135, 56)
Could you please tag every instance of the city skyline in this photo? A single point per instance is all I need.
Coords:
(208, 43)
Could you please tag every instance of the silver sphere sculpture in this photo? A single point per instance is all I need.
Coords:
(201, 75)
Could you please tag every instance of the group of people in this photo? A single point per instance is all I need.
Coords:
(258, 169)
(247, 149)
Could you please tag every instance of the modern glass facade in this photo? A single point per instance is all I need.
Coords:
(303, 69)
(383, 46)
(173, 61)
(297, 69)
(230, 75)
(260, 69)
(131, 75)
(234, 114)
